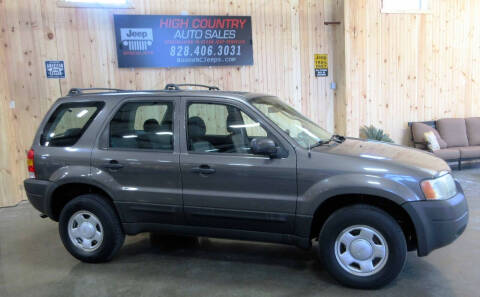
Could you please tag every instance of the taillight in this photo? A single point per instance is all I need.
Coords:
(31, 164)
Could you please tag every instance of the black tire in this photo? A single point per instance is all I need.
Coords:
(113, 236)
(372, 217)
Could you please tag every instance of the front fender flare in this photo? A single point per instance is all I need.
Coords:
(353, 184)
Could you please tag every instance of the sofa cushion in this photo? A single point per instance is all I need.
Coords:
(448, 153)
(473, 130)
(453, 131)
(470, 152)
(419, 130)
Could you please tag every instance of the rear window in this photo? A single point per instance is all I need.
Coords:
(68, 123)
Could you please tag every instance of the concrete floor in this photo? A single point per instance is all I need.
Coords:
(33, 262)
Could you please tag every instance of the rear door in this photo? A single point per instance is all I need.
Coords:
(224, 184)
(139, 155)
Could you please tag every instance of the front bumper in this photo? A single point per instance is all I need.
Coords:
(438, 223)
(36, 191)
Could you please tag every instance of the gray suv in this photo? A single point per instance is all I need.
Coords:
(108, 162)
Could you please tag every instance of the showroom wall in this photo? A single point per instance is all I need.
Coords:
(410, 67)
(389, 68)
(286, 35)
(9, 175)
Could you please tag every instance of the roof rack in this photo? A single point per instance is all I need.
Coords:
(176, 87)
(168, 87)
(78, 91)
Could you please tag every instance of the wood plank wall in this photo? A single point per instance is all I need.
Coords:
(8, 166)
(286, 34)
(389, 68)
(410, 67)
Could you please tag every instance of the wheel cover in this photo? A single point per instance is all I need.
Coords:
(85, 231)
(361, 250)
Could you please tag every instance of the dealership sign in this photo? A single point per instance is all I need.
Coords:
(181, 41)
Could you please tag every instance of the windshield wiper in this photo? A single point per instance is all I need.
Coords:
(335, 138)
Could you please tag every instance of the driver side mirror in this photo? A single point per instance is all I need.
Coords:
(264, 146)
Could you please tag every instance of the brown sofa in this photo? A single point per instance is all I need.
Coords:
(459, 139)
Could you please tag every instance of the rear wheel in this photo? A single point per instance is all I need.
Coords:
(362, 246)
(90, 229)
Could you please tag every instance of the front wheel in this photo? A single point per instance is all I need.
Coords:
(362, 247)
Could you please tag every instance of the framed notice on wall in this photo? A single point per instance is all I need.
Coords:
(321, 65)
(183, 41)
(55, 69)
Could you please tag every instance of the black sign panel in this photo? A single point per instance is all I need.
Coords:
(321, 72)
(55, 69)
(181, 41)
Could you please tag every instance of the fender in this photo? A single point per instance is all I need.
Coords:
(344, 185)
(81, 175)
(355, 184)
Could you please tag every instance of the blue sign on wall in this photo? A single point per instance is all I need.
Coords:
(55, 69)
(181, 41)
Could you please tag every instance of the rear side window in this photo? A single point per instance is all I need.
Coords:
(68, 123)
(143, 125)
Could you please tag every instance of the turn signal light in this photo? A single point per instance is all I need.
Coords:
(31, 164)
(429, 191)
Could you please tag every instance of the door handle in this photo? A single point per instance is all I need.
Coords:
(203, 169)
(113, 165)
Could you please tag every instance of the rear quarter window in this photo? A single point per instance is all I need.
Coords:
(68, 123)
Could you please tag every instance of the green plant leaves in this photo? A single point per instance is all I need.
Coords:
(371, 132)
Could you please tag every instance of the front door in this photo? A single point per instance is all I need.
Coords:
(140, 157)
(224, 184)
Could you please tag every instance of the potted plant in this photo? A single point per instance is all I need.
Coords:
(374, 133)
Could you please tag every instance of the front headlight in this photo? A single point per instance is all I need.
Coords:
(440, 188)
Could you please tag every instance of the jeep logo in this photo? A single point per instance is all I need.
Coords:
(136, 39)
(133, 34)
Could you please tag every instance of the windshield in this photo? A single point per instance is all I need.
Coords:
(305, 132)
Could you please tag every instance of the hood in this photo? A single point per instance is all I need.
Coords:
(392, 154)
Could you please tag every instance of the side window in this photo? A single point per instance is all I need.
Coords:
(213, 115)
(253, 128)
(145, 112)
(220, 128)
(143, 125)
(68, 123)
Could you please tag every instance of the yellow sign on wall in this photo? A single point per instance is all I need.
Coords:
(321, 65)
